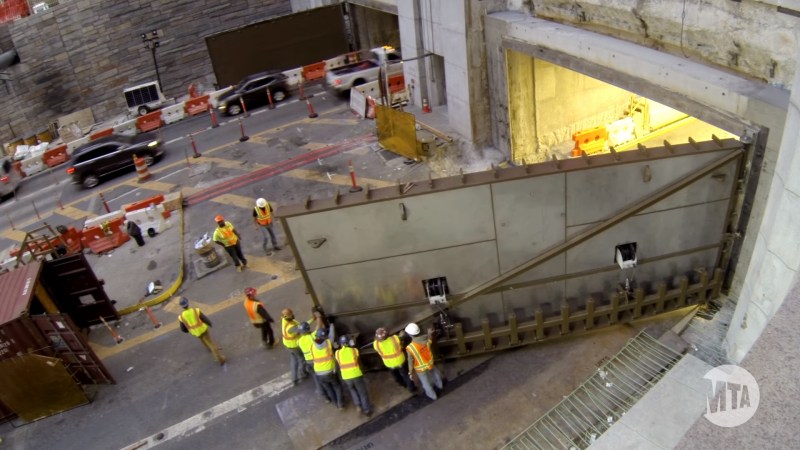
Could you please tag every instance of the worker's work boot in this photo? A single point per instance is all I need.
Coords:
(239, 268)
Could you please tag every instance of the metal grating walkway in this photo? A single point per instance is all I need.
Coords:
(591, 409)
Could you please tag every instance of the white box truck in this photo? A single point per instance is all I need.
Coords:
(144, 98)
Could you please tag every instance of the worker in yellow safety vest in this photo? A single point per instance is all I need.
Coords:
(193, 321)
(391, 351)
(305, 342)
(325, 366)
(259, 317)
(227, 236)
(290, 331)
(420, 361)
(353, 378)
(262, 216)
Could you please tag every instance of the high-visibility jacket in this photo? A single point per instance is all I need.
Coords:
(391, 352)
(263, 216)
(225, 235)
(421, 355)
(289, 338)
(305, 343)
(323, 358)
(347, 357)
(251, 306)
(191, 319)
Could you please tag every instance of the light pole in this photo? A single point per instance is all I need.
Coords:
(151, 41)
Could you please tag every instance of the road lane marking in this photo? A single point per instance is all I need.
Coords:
(104, 352)
(235, 200)
(74, 213)
(198, 422)
(341, 180)
(14, 235)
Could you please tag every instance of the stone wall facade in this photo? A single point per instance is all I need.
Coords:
(83, 53)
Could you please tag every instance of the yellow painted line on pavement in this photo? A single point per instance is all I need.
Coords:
(15, 235)
(270, 265)
(159, 186)
(235, 200)
(311, 146)
(235, 164)
(74, 213)
(106, 352)
(340, 180)
(342, 122)
(259, 139)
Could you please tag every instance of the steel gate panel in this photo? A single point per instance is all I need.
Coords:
(73, 349)
(546, 266)
(75, 288)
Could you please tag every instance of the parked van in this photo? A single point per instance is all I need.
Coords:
(144, 98)
(9, 178)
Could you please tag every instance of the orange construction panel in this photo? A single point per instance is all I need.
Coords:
(314, 71)
(101, 133)
(149, 121)
(397, 84)
(592, 140)
(196, 105)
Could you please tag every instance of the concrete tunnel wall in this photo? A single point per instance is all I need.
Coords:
(764, 273)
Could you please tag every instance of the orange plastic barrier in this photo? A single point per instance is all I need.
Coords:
(155, 200)
(55, 156)
(397, 83)
(196, 105)
(314, 71)
(101, 133)
(149, 121)
(590, 141)
(95, 239)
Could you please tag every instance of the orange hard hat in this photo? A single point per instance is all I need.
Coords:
(219, 218)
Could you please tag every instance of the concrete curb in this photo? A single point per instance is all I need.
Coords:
(166, 294)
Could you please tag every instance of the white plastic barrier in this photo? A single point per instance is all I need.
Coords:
(621, 131)
(213, 98)
(333, 63)
(96, 221)
(358, 103)
(371, 89)
(33, 165)
(71, 146)
(150, 217)
(173, 113)
(294, 76)
(128, 127)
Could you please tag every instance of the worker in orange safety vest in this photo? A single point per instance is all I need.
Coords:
(193, 321)
(259, 317)
(262, 216)
(391, 351)
(420, 361)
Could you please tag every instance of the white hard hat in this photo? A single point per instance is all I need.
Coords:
(261, 203)
(412, 329)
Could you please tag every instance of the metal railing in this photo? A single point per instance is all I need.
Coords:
(591, 409)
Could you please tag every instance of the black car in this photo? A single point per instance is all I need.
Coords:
(253, 90)
(111, 154)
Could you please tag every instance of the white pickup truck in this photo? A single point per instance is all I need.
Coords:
(343, 78)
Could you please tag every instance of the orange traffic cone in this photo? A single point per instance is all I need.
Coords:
(425, 107)
(141, 168)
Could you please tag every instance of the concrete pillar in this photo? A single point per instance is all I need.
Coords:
(521, 107)
(773, 268)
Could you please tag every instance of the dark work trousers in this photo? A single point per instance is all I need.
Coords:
(309, 368)
(237, 256)
(266, 333)
(359, 394)
(139, 239)
(401, 377)
(330, 385)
